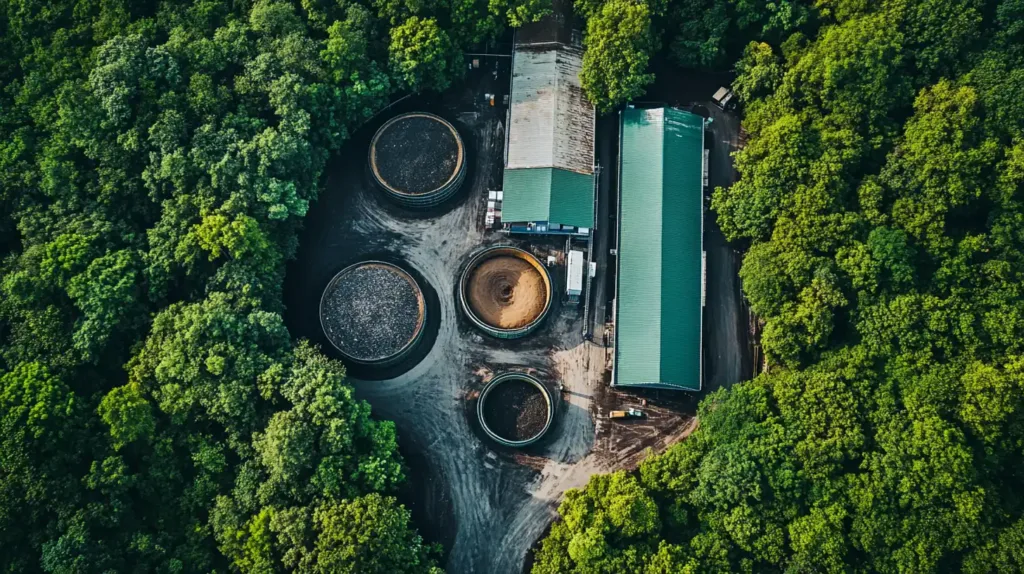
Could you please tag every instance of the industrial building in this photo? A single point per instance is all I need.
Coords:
(658, 305)
(549, 182)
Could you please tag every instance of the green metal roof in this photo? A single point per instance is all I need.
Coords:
(660, 276)
(548, 194)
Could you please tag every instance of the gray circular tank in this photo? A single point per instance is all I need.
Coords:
(373, 313)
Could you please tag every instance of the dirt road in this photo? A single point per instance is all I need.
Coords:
(726, 343)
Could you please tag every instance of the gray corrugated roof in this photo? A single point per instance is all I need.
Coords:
(551, 123)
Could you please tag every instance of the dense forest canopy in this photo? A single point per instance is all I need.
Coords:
(882, 200)
(623, 36)
(156, 159)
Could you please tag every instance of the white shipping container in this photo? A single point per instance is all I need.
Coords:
(574, 283)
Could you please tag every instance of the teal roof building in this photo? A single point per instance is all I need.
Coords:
(660, 276)
(549, 165)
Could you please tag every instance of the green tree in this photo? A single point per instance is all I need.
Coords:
(41, 442)
(758, 72)
(156, 160)
(610, 526)
(703, 30)
(290, 504)
(879, 202)
(369, 534)
(618, 42)
(422, 55)
(213, 361)
(366, 534)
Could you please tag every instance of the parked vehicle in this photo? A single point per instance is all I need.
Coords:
(628, 413)
(724, 98)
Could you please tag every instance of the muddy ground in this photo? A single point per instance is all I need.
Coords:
(486, 504)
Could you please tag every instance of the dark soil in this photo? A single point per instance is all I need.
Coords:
(417, 155)
(516, 410)
(371, 312)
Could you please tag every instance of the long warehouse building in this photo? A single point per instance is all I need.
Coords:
(660, 276)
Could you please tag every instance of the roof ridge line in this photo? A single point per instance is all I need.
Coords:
(554, 111)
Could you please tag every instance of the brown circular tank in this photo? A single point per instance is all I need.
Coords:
(505, 291)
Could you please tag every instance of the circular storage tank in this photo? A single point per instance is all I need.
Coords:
(373, 313)
(505, 291)
(418, 159)
(515, 409)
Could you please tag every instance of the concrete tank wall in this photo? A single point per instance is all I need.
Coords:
(430, 198)
(464, 286)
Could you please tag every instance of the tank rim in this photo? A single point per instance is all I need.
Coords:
(460, 157)
(420, 324)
